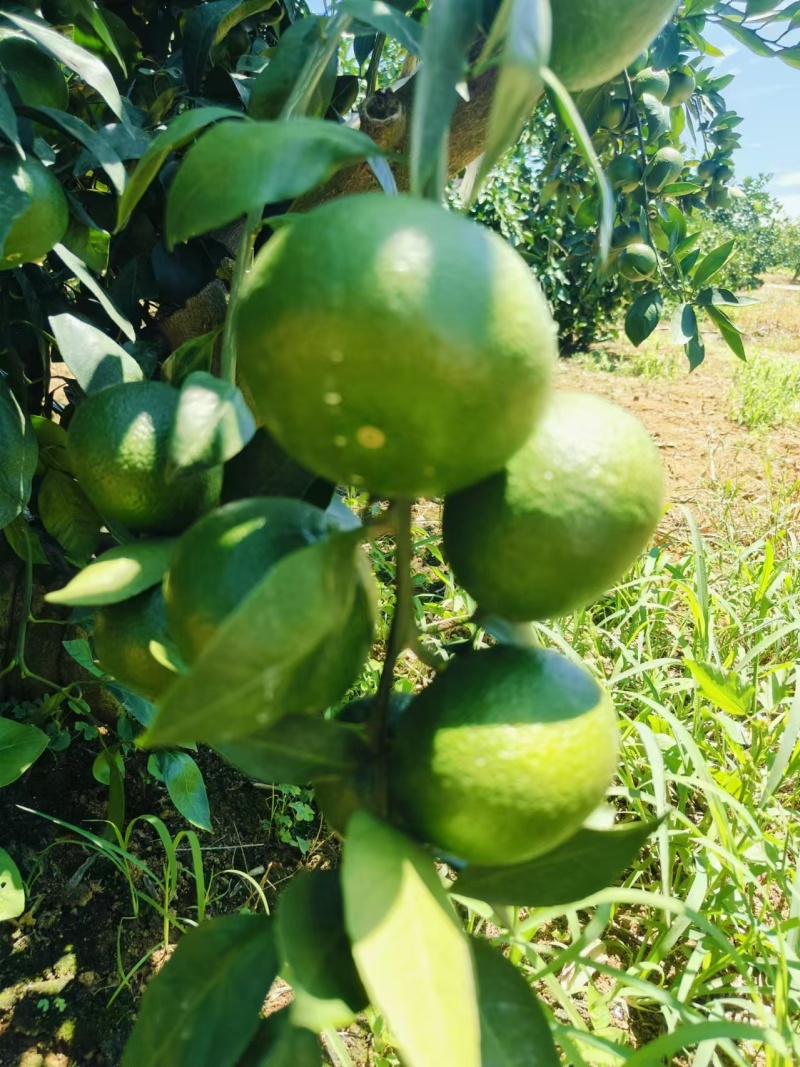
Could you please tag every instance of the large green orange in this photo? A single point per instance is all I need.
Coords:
(504, 755)
(119, 445)
(122, 636)
(36, 76)
(43, 221)
(682, 85)
(665, 167)
(565, 519)
(593, 40)
(391, 344)
(220, 560)
(637, 262)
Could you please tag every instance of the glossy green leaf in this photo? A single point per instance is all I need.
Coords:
(14, 201)
(684, 324)
(84, 276)
(20, 746)
(313, 941)
(449, 33)
(8, 127)
(410, 950)
(713, 263)
(90, 245)
(208, 23)
(202, 1007)
(12, 890)
(98, 146)
(514, 1028)
(196, 354)
(212, 424)
(186, 788)
(385, 19)
(296, 750)
(723, 298)
(19, 453)
(247, 676)
(69, 516)
(25, 540)
(729, 331)
(275, 161)
(180, 131)
(117, 575)
(94, 358)
(274, 86)
(89, 67)
(643, 316)
(587, 863)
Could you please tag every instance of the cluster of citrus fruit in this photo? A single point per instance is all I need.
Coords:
(389, 344)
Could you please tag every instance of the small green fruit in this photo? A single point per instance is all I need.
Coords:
(665, 168)
(681, 88)
(637, 262)
(625, 173)
(651, 82)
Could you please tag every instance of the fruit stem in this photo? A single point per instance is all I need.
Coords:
(244, 261)
(398, 640)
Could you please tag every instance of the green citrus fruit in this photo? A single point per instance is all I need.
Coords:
(221, 559)
(681, 88)
(625, 173)
(723, 173)
(614, 113)
(122, 636)
(707, 168)
(593, 40)
(651, 82)
(504, 755)
(628, 233)
(391, 344)
(665, 167)
(119, 443)
(35, 75)
(637, 262)
(565, 519)
(44, 220)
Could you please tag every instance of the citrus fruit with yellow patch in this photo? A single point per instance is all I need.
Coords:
(122, 636)
(43, 221)
(565, 519)
(36, 76)
(119, 446)
(637, 262)
(593, 40)
(391, 344)
(224, 556)
(504, 755)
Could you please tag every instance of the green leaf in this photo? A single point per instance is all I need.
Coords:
(582, 866)
(713, 263)
(186, 788)
(80, 650)
(20, 746)
(180, 131)
(449, 33)
(275, 161)
(519, 84)
(406, 32)
(410, 950)
(749, 38)
(8, 127)
(19, 453)
(12, 890)
(684, 324)
(273, 87)
(117, 575)
(205, 26)
(253, 672)
(97, 145)
(94, 358)
(14, 201)
(730, 332)
(298, 749)
(25, 540)
(790, 56)
(681, 189)
(202, 1007)
(193, 355)
(313, 941)
(89, 244)
(69, 516)
(212, 423)
(92, 70)
(643, 316)
(279, 1043)
(81, 272)
(721, 688)
(514, 1028)
(723, 298)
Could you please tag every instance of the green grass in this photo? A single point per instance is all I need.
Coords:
(766, 392)
(650, 362)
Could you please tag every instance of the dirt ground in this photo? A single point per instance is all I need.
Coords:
(62, 964)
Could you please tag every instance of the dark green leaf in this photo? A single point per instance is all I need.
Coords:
(205, 25)
(25, 540)
(80, 650)
(448, 36)
(117, 575)
(263, 468)
(749, 38)
(684, 324)
(78, 130)
(212, 424)
(14, 201)
(643, 316)
(313, 941)
(410, 950)
(89, 67)
(180, 131)
(296, 750)
(202, 1007)
(20, 746)
(275, 161)
(79, 269)
(587, 863)
(247, 676)
(19, 453)
(89, 244)
(514, 1029)
(68, 516)
(8, 122)
(723, 298)
(193, 355)
(713, 262)
(375, 13)
(278, 1043)
(12, 890)
(94, 358)
(186, 788)
(730, 333)
(272, 88)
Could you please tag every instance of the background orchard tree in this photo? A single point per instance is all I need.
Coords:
(148, 149)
